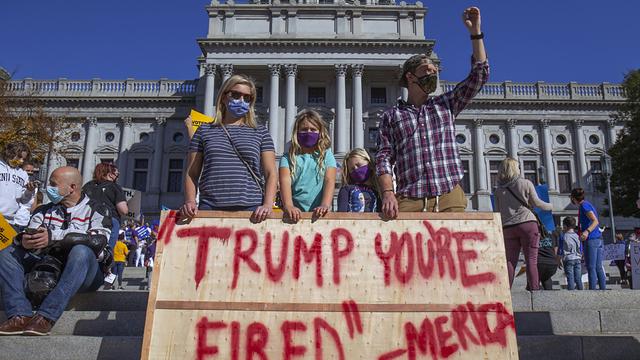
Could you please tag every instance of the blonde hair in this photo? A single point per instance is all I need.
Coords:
(324, 142)
(221, 102)
(372, 181)
(509, 169)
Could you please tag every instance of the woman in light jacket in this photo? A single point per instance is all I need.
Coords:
(518, 222)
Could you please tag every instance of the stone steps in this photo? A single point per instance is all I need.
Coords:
(70, 347)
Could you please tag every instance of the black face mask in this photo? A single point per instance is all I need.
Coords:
(427, 83)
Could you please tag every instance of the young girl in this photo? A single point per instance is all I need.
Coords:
(359, 191)
(308, 171)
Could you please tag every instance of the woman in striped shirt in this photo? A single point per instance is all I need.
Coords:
(223, 175)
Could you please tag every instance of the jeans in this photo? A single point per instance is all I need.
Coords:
(573, 270)
(523, 236)
(594, 255)
(118, 269)
(81, 273)
(115, 229)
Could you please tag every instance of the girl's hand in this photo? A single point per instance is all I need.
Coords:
(292, 213)
(261, 213)
(189, 209)
(321, 211)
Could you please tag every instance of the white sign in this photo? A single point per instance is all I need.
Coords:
(134, 202)
(614, 251)
(635, 265)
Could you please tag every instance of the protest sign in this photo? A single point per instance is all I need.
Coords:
(7, 233)
(635, 265)
(614, 251)
(347, 286)
(134, 203)
(198, 118)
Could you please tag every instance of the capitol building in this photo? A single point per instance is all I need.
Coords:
(343, 59)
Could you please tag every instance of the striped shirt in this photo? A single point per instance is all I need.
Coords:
(225, 180)
(420, 141)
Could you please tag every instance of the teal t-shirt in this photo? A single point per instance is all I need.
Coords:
(306, 184)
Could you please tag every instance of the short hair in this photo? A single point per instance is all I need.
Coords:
(411, 65)
(102, 170)
(16, 148)
(509, 169)
(577, 194)
(569, 222)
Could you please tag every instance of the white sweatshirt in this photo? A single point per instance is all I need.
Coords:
(13, 190)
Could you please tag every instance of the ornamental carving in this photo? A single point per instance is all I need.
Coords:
(545, 123)
(341, 69)
(274, 69)
(291, 70)
(578, 123)
(209, 69)
(92, 121)
(478, 122)
(161, 120)
(126, 121)
(226, 70)
(512, 123)
(357, 69)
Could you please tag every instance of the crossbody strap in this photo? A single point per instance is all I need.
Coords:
(524, 204)
(253, 174)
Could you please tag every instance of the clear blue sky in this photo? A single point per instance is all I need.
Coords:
(549, 40)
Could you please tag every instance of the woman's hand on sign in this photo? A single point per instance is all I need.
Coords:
(189, 209)
(292, 213)
(35, 240)
(321, 211)
(261, 213)
(188, 122)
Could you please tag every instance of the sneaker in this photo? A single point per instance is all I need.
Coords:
(121, 288)
(15, 325)
(38, 326)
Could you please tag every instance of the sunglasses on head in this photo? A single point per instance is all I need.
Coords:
(238, 95)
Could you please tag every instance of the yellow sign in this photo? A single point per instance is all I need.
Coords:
(7, 233)
(198, 118)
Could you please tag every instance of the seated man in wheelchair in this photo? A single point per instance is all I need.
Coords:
(62, 251)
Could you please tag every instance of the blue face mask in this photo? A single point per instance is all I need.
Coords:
(238, 108)
(54, 194)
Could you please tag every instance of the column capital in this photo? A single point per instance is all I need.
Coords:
(341, 69)
(357, 69)
(126, 121)
(274, 69)
(512, 123)
(209, 69)
(161, 120)
(291, 69)
(544, 123)
(226, 70)
(612, 123)
(478, 122)
(92, 121)
(578, 123)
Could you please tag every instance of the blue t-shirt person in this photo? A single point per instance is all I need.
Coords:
(584, 220)
(307, 183)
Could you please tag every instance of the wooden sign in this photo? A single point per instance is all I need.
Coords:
(348, 286)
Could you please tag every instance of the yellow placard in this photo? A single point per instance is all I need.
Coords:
(198, 118)
(7, 233)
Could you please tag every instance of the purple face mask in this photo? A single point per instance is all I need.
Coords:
(308, 139)
(360, 174)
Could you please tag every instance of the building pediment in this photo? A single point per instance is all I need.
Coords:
(594, 152)
(463, 150)
(138, 148)
(529, 151)
(71, 149)
(106, 149)
(173, 149)
(563, 151)
(495, 151)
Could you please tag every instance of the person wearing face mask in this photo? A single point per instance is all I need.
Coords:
(231, 161)
(72, 228)
(15, 188)
(359, 192)
(417, 136)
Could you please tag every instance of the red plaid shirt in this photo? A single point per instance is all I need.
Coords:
(421, 141)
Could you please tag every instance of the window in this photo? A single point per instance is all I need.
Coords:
(106, 161)
(494, 166)
(594, 139)
(530, 171)
(259, 97)
(175, 175)
(108, 137)
(73, 162)
(378, 95)
(144, 137)
(494, 138)
(140, 171)
(564, 176)
(374, 137)
(178, 137)
(75, 136)
(561, 139)
(316, 95)
(597, 178)
(466, 180)
(461, 139)
(527, 139)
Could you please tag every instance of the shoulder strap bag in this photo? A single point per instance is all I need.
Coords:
(253, 174)
(544, 233)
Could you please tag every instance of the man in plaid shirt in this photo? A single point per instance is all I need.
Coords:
(418, 136)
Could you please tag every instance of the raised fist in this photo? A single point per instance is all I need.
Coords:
(471, 19)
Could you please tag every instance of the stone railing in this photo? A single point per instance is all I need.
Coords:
(544, 91)
(102, 88)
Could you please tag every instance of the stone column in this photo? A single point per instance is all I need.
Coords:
(579, 149)
(478, 151)
(513, 138)
(227, 71)
(125, 145)
(209, 90)
(274, 109)
(158, 151)
(546, 149)
(88, 161)
(290, 111)
(357, 126)
(611, 125)
(341, 135)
